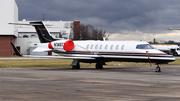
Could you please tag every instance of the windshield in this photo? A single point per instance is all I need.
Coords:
(144, 47)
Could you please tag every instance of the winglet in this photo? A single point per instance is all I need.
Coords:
(16, 50)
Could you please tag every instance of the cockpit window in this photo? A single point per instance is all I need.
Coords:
(144, 47)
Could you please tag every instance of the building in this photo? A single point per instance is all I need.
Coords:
(25, 37)
(8, 13)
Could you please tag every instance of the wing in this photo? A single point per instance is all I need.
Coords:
(60, 57)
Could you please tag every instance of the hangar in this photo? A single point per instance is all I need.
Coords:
(25, 37)
(8, 13)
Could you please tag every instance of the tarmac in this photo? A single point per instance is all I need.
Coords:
(122, 83)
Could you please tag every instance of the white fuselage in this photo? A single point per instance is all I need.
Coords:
(132, 51)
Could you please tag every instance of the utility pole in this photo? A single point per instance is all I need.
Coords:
(44, 15)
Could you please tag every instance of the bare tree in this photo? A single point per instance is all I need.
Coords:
(88, 32)
(84, 30)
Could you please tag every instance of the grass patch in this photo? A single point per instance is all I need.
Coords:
(35, 63)
(63, 63)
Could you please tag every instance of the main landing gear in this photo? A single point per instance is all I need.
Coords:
(158, 69)
(99, 65)
(77, 66)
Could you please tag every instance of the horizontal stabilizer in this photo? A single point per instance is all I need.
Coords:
(34, 24)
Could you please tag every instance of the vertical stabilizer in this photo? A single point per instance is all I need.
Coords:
(43, 34)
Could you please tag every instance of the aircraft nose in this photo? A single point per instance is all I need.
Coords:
(171, 58)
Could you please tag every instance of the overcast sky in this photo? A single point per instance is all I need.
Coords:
(122, 19)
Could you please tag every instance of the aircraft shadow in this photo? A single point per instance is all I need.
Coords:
(106, 69)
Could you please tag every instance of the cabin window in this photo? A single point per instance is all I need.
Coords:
(122, 48)
(101, 47)
(87, 46)
(91, 46)
(96, 47)
(106, 47)
(111, 47)
(144, 47)
(117, 47)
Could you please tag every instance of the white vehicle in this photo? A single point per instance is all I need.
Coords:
(99, 52)
(168, 48)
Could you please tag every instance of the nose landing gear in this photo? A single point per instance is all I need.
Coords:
(158, 69)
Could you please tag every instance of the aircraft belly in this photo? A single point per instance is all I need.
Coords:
(139, 59)
(127, 57)
(159, 59)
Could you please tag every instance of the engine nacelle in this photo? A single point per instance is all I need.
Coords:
(66, 45)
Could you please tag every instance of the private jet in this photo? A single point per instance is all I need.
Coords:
(99, 52)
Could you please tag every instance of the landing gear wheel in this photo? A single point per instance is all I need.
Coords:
(175, 54)
(99, 65)
(158, 69)
(76, 67)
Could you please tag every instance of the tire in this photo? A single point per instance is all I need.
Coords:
(99, 66)
(76, 67)
(175, 54)
(158, 69)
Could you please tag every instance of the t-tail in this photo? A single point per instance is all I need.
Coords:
(43, 34)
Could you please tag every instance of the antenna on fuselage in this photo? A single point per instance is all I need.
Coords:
(104, 39)
(105, 36)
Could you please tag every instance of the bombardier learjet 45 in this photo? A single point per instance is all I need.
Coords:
(99, 52)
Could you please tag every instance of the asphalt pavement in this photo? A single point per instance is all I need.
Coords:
(123, 83)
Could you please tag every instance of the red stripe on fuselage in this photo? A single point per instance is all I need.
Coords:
(118, 53)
